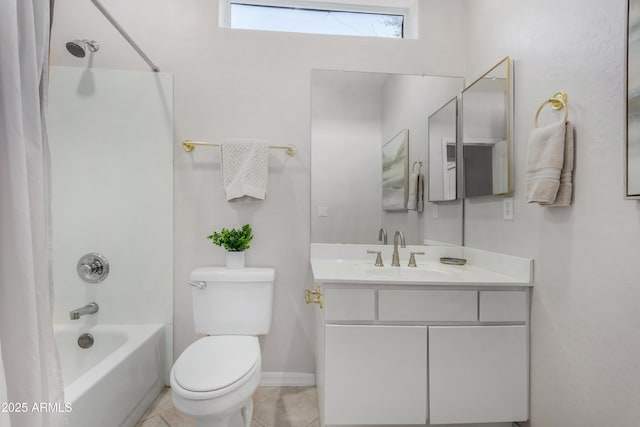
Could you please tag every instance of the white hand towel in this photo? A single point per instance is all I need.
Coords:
(245, 169)
(412, 200)
(566, 186)
(420, 196)
(546, 158)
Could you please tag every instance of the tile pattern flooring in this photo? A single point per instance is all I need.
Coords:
(272, 407)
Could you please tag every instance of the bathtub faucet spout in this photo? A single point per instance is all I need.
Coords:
(90, 308)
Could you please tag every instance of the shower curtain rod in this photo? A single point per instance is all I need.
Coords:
(124, 34)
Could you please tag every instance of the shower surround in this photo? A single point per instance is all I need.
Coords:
(111, 135)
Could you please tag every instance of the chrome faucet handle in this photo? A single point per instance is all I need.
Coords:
(378, 262)
(412, 258)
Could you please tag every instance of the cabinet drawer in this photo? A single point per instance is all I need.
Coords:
(503, 306)
(425, 305)
(350, 304)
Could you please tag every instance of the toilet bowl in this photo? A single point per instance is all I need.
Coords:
(214, 379)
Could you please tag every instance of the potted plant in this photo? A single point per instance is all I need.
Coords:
(235, 241)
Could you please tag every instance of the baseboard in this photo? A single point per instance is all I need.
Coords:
(287, 379)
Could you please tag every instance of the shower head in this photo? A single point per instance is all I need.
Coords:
(76, 47)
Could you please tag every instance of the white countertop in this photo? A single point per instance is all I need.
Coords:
(347, 264)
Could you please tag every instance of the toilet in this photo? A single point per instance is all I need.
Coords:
(214, 379)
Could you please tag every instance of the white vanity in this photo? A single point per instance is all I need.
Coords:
(427, 345)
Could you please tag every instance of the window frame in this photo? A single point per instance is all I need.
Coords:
(362, 7)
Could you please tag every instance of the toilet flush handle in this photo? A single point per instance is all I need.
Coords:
(199, 285)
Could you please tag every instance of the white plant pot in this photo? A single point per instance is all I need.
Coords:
(235, 259)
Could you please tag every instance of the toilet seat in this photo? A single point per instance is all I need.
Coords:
(216, 365)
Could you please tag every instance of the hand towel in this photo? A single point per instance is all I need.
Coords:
(245, 167)
(412, 200)
(566, 186)
(420, 196)
(546, 159)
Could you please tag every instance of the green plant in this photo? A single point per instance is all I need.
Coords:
(234, 240)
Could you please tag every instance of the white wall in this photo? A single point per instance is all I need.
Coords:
(585, 351)
(234, 83)
(110, 134)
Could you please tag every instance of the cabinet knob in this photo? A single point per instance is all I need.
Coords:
(314, 296)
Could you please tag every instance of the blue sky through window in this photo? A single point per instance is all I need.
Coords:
(274, 18)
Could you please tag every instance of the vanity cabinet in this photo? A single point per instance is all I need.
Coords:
(422, 355)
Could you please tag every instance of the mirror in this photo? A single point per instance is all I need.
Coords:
(395, 172)
(633, 103)
(353, 114)
(443, 134)
(486, 142)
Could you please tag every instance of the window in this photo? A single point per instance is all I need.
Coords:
(316, 18)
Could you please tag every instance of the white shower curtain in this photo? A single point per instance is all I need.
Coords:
(28, 353)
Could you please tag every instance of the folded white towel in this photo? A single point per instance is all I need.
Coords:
(546, 159)
(420, 195)
(245, 167)
(414, 183)
(566, 186)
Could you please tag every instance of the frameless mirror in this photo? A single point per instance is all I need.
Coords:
(353, 115)
(486, 142)
(632, 176)
(443, 131)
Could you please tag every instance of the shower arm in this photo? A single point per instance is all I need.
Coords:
(124, 34)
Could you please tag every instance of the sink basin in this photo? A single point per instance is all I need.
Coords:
(421, 273)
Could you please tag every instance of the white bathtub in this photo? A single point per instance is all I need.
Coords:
(112, 383)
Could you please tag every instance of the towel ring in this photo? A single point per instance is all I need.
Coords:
(558, 101)
(413, 168)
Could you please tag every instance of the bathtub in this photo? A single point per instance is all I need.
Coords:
(112, 383)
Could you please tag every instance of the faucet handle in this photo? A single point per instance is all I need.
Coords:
(378, 262)
(412, 258)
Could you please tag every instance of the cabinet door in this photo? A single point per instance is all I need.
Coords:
(478, 374)
(375, 374)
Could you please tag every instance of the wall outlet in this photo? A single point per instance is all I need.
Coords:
(434, 210)
(507, 208)
(323, 211)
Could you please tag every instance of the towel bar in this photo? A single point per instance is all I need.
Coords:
(558, 101)
(188, 146)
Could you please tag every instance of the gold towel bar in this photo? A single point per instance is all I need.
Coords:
(188, 146)
(558, 101)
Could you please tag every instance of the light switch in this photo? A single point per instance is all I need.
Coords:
(323, 211)
(434, 210)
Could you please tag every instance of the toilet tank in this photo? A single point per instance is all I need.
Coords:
(233, 301)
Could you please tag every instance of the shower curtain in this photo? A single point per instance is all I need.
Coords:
(28, 352)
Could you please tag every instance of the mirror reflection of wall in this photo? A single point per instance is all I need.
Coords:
(485, 133)
(443, 125)
(352, 115)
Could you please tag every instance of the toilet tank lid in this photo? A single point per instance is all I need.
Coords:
(223, 274)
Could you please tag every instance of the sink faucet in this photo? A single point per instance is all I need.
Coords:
(90, 308)
(395, 258)
(382, 236)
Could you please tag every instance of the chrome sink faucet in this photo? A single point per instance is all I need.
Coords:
(90, 308)
(382, 236)
(395, 258)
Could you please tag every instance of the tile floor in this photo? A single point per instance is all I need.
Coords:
(272, 407)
